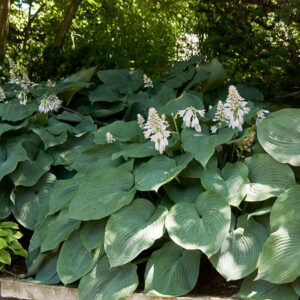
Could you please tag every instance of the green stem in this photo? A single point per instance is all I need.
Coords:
(141, 260)
(174, 121)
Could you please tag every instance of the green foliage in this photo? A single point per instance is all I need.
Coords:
(102, 198)
(9, 244)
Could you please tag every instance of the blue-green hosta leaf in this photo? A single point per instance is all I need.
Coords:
(5, 203)
(105, 282)
(193, 170)
(296, 286)
(202, 225)
(137, 150)
(120, 130)
(133, 229)
(280, 257)
(123, 80)
(105, 94)
(10, 155)
(98, 154)
(171, 271)
(268, 178)
(261, 290)
(92, 235)
(70, 151)
(240, 251)
(216, 75)
(47, 273)
(53, 230)
(286, 208)
(279, 134)
(69, 117)
(231, 182)
(4, 127)
(179, 193)
(31, 203)
(14, 111)
(159, 170)
(181, 103)
(62, 193)
(202, 144)
(29, 172)
(110, 190)
(75, 260)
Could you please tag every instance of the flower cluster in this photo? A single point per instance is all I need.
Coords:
(155, 129)
(235, 109)
(51, 103)
(220, 115)
(109, 138)
(190, 118)
(147, 82)
(2, 95)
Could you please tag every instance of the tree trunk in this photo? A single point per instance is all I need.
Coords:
(4, 25)
(66, 23)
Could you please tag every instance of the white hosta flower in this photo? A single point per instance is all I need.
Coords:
(155, 129)
(50, 83)
(220, 114)
(190, 118)
(13, 72)
(147, 82)
(213, 129)
(141, 121)
(109, 138)
(235, 109)
(51, 103)
(22, 96)
(2, 95)
(261, 114)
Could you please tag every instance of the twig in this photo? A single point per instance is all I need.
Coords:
(11, 274)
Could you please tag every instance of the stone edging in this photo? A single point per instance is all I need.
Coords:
(13, 288)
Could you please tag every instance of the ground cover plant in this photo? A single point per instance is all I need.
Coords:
(125, 181)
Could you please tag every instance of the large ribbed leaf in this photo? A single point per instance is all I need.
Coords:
(109, 191)
(201, 225)
(13, 111)
(137, 150)
(230, 182)
(105, 94)
(188, 192)
(279, 134)
(202, 144)
(261, 290)
(5, 203)
(133, 229)
(46, 273)
(240, 251)
(158, 171)
(171, 271)
(4, 127)
(75, 260)
(29, 172)
(268, 178)
(280, 259)
(120, 130)
(92, 234)
(181, 103)
(296, 286)
(31, 203)
(98, 154)
(122, 80)
(286, 208)
(105, 282)
(10, 156)
(54, 230)
(62, 193)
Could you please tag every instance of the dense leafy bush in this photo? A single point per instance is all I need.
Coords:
(174, 172)
(9, 245)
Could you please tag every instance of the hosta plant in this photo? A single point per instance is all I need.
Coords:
(180, 168)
